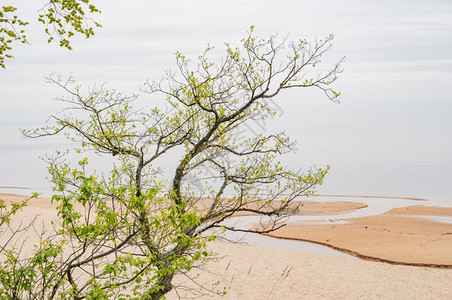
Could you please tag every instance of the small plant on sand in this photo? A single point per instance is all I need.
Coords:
(125, 233)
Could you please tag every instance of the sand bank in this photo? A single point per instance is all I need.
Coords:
(411, 235)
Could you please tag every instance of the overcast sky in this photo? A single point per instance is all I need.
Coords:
(396, 85)
(397, 48)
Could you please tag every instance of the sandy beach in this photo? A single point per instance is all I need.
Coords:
(418, 236)
(259, 273)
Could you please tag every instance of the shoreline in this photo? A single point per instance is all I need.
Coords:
(341, 225)
(366, 257)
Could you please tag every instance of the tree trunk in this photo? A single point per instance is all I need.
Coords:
(165, 282)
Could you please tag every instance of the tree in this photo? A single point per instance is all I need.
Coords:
(128, 232)
(62, 18)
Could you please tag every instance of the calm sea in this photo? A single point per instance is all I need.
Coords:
(405, 156)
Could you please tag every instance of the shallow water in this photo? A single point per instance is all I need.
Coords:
(375, 206)
(257, 240)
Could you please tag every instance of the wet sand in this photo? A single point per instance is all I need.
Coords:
(416, 235)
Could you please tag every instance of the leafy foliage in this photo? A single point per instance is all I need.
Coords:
(65, 18)
(62, 18)
(9, 32)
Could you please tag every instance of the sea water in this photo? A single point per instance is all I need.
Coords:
(392, 156)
